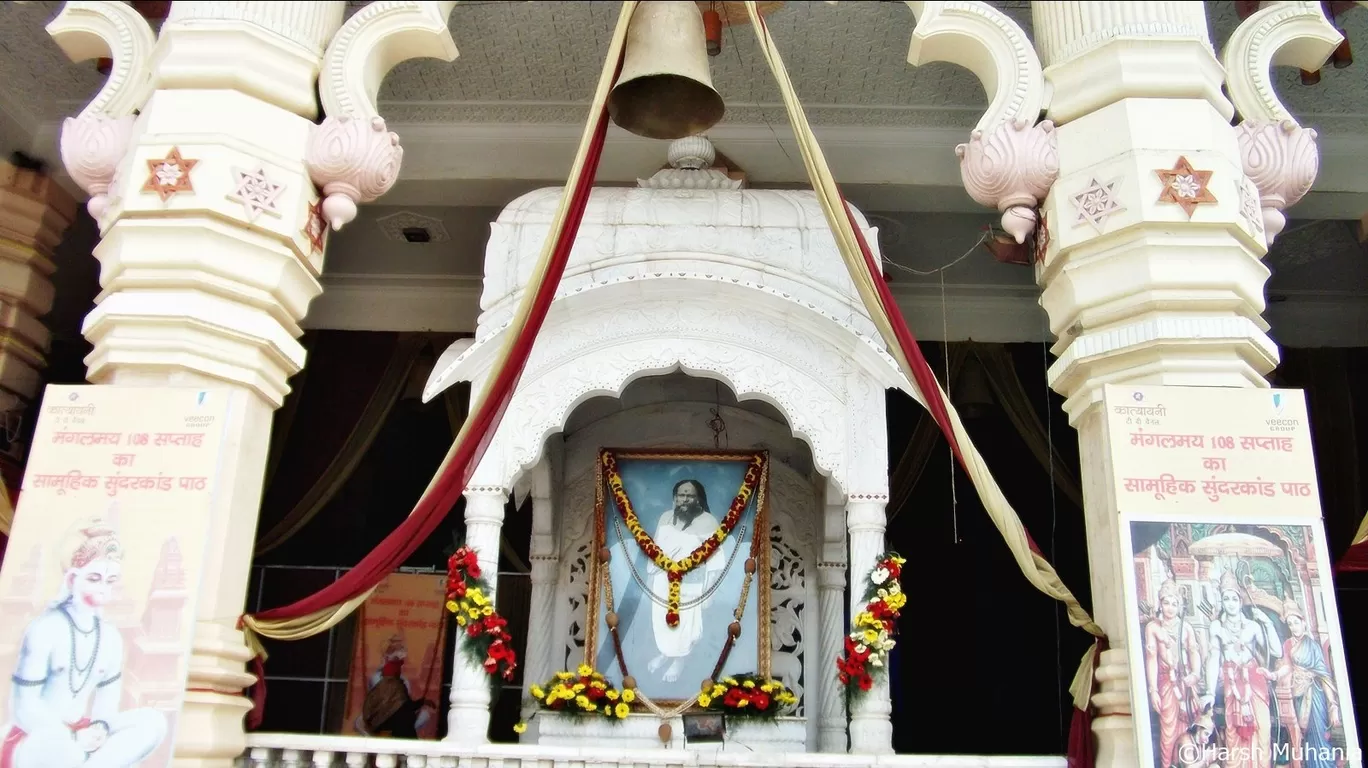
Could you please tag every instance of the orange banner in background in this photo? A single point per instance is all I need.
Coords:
(395, 685)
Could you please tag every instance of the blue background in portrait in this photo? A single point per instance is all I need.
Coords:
(649, 483)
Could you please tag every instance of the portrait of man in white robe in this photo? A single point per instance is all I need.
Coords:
(682, 528)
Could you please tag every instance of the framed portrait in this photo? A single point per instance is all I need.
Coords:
(1234, 639)
(702, 514)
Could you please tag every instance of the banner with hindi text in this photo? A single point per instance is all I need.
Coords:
(99, 588)
(395, 685)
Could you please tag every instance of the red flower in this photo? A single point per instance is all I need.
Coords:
(473, 629)
(760, 700)
(866, 682)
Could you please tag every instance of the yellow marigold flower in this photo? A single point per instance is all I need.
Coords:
(579, 687)
(748, 684)
(622, 710)
(487, 611)
(871, 637)
(898, 560)
(460, 620)
(704, 699)
(730, 681)
(585, 670)
(563, 675)
(628, 695)
(612, 695)
(537, 692)
(718, 691)
(741, 703)
(608, 709)
(584, 702)
(474, 613)
(520, 728)
(452, 606)
(767, 687)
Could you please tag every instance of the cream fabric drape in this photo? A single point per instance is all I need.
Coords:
(363, 434)
(6, 510)
(322, 620)
(1036, 569)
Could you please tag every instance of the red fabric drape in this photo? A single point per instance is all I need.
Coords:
(921, 371)
(434, 506)
(1082, 751)
(1354, 559)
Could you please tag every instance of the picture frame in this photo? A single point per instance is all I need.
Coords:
(1264, 638)
(668, 663)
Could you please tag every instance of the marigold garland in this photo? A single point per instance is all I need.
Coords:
(582, 693)
(676, 569)
(487, 641)
(747, 696)
(871, 635)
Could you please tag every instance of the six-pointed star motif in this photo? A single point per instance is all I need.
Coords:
(168, 175)
(255, 192)
(1250, 208)
(1096, 202)
(315, 226)
(1185, 186)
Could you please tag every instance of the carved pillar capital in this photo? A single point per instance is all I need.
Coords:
(353, 160)
(1282, 160)
(1011, 168)
(352, 157)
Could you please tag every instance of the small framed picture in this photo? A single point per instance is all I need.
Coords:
(704, 728)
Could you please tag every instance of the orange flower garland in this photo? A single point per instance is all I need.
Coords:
(676, 569)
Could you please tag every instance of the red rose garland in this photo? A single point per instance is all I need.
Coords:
(871, 633)
(487, 640)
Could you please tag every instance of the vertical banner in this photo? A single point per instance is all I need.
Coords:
(99, 584)
(395, 684)
(1236, 652)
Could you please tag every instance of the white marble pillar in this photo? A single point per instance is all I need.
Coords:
(1149, 257)
(539, 663)
(831, 583)
(211, 251)
(468, 718)
(871, 725)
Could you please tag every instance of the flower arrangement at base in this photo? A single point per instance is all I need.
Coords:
(582, 693)
(487, 641)
(871, 633)
(747, 696)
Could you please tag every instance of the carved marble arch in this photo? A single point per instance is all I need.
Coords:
(826, 380)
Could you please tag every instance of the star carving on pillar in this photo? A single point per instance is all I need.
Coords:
(1042, 238)
(255, 192)
(1185, 186)
(1249, 207)
(1096, 202)
(315, 227)
(168, 175)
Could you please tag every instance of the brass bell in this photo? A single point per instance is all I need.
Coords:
(665, 89)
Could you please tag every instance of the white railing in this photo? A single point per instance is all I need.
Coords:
(286, 750)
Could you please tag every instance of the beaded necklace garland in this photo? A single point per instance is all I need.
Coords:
(675, 570)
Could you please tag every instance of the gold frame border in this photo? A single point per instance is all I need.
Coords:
(761, 581)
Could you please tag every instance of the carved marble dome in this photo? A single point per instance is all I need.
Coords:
(744, 286)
